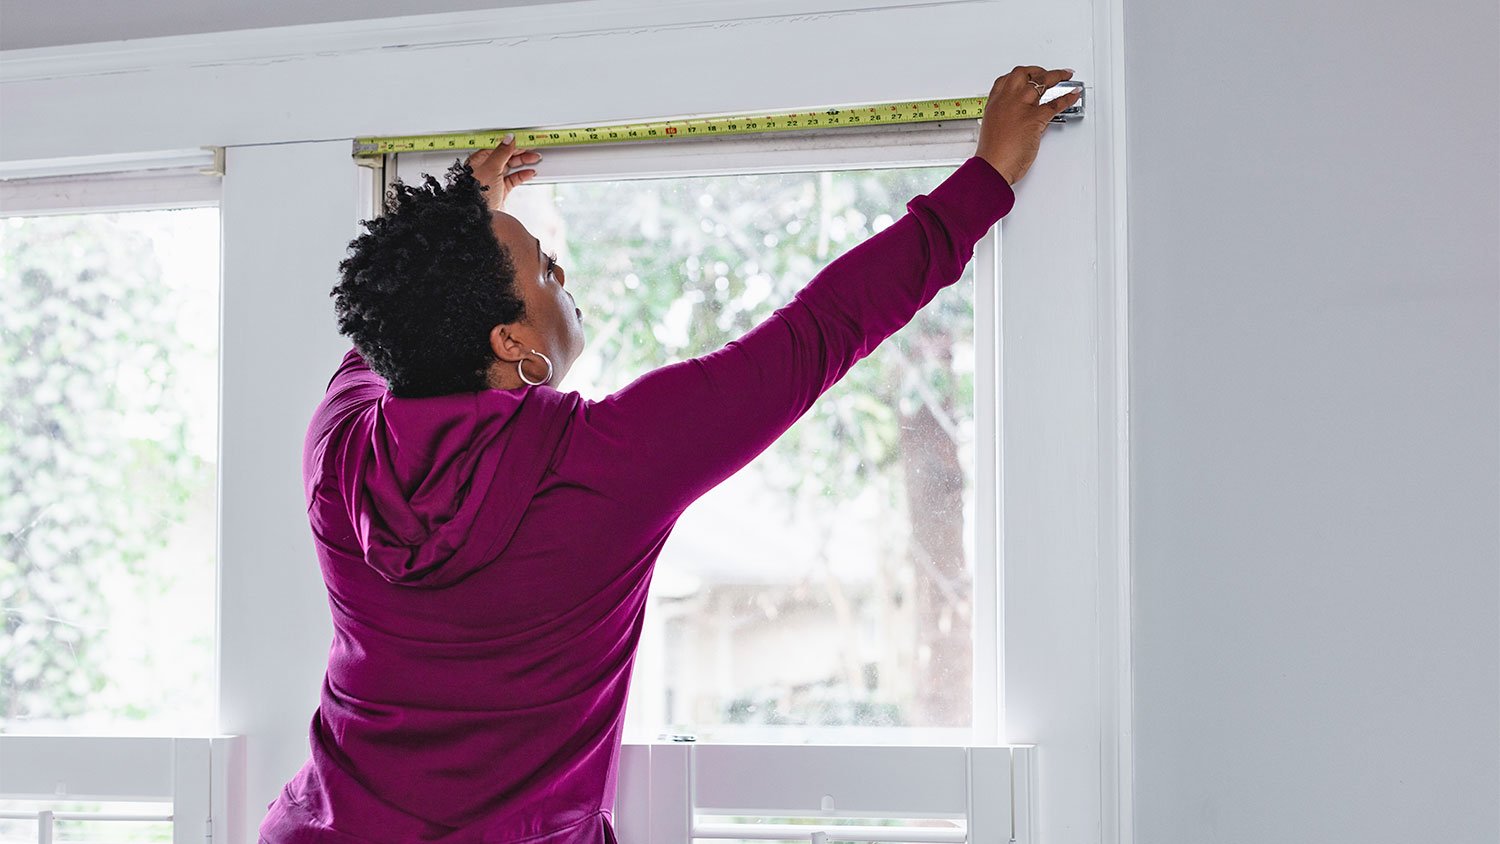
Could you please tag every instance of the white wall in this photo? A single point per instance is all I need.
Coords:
(289, 212)
(1313, 271)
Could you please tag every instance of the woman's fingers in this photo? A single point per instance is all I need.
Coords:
(491, 168)
(1065, 101)
(1020, 77)
(486, 160)
(511, 157)
(1052, 77)
(504, 146)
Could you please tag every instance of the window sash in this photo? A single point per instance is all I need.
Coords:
(99, 193)
(681, 792)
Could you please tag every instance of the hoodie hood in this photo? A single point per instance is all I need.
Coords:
(435, 487)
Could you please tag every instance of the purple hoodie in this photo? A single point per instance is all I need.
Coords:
(487, 555)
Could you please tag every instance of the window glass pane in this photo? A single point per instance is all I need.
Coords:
(108, 453)
(828, 583)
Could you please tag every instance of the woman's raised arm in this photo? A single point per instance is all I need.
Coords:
(676, 432)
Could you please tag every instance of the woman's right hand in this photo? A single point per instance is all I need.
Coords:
(1011, 130)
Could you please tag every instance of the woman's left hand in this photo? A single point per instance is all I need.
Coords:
(489, 167)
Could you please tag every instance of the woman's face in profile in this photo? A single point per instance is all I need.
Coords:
(552, 324)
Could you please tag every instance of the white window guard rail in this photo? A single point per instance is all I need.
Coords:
(986, 793)
(203, 778)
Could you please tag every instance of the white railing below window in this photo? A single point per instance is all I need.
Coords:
(670, 791)
(203, 778)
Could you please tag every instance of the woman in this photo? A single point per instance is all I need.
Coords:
(487, 540)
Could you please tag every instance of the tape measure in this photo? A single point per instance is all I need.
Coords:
(878, 114)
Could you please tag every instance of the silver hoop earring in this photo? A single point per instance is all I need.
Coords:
(522, 371)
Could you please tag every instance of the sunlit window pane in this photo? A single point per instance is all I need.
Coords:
(829, 583)
(108, 454)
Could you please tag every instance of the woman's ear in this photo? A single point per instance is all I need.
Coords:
(506, 345)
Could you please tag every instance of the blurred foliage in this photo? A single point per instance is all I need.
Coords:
(94, 460)
(825, 705)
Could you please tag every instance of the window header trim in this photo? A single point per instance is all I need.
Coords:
(132, 190)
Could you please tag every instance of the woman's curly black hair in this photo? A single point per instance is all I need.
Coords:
(422, 288)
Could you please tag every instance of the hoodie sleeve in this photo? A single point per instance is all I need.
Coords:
(353, 387)
(354, 374)
(678, 431)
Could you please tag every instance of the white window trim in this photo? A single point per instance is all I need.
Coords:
(47, 192)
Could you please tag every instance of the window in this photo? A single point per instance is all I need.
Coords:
(108, 453)
(827, 591)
